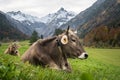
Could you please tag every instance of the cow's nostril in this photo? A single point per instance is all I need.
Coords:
(86, 56)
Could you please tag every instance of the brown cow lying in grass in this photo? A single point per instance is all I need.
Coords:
(52, 52)
(12, 50)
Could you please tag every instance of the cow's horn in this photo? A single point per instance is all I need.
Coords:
(68, 29)
(64, 39)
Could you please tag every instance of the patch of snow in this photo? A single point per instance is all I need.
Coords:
(23, 17)
(61, 16)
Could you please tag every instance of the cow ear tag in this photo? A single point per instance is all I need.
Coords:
(64, 39)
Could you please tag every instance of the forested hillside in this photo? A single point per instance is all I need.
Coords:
(103, 36)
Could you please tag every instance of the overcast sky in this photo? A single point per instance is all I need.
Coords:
(41, 8)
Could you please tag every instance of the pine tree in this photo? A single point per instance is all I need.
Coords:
(34, 37)
(58, 31)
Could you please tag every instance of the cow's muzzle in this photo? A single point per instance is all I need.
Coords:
(84, 55)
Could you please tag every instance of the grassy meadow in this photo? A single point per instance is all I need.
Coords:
(102, 64)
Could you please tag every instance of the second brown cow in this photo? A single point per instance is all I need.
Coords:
(12, 50)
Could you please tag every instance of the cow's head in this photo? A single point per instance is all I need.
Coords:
(71, 45)
(13, 49)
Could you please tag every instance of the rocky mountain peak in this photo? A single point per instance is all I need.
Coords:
(59, 17)
(61, 10)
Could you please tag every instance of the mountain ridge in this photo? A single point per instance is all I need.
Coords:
(26, 23)
(54, 20)
(62, 15)
(8, 31)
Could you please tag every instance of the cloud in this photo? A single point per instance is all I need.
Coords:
(43, 7)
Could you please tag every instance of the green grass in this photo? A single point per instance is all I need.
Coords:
(108, 56)
(102, 64)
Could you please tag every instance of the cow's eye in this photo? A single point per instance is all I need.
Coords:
(73, 40)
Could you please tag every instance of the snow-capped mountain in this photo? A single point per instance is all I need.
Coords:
(8, 31)
(55, 20)
(23, 17)
(27, 23)
(58, 18)
(45, 25)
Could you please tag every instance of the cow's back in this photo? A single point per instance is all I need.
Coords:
(36, 55)
(29, 53)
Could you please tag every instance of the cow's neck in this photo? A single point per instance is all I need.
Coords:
(59, 45)
(55, 39)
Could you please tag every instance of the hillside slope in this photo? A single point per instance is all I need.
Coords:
(107, 14)
(101, 13)
(26, 23)
(7, 31)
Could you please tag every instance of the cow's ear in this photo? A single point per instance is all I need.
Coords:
(64, 39)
